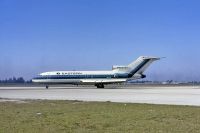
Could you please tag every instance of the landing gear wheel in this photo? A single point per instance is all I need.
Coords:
(99, 85)
(47, 87)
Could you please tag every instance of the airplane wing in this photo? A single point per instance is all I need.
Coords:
(105, 81)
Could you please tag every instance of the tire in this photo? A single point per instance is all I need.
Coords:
(99, 85)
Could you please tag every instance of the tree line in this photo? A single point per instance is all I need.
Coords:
(14, 80)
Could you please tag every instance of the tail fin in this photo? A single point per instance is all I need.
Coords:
(140, 65)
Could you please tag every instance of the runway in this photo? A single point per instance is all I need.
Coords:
(181, 95)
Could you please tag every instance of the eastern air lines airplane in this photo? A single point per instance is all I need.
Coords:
(118, 74)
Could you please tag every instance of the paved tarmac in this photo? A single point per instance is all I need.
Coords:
(179, 95)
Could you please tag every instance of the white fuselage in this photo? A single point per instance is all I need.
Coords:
(81, 77)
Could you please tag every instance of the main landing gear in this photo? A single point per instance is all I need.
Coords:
(47, 87)
(99, 85)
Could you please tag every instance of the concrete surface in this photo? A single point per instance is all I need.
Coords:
(179, 95)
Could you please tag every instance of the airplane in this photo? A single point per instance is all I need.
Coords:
(118, 74)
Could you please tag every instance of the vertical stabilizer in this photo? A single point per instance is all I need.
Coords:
(140, 65)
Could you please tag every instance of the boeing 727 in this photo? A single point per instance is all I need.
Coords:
(118, 74)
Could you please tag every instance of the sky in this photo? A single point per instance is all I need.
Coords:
(46, 35)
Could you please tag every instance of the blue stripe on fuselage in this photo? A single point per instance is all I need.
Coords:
(108, 76)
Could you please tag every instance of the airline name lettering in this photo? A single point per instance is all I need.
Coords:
(69, 73)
